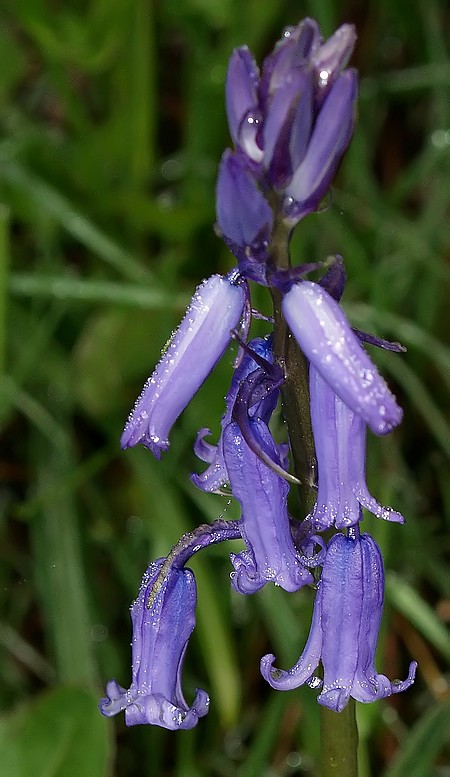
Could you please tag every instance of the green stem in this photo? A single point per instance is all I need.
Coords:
(339, 734)
(339, 742)
(295, 390)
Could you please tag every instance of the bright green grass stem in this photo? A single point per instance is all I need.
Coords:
(339, 733)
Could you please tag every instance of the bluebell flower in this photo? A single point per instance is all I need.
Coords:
(340, 443)
(327, 340)
(163, 618)
(270, 554)
(191, 354)
(344, 631)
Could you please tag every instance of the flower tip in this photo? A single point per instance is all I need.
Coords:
(133, 435)
(267, 669)
(335, 699)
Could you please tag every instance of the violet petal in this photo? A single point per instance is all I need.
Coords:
(160, 635)
(193, 351)
(329, 139)
(242, 101)
(303, 670)
(243, 215)
(215, 476)
(271, 555)
(340, 442)
(325, 336)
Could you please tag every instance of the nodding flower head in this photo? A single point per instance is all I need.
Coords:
(327, 340)
(193, 351)
(163, 618)
(344, 631)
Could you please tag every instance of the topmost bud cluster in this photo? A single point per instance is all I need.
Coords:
(290, 125)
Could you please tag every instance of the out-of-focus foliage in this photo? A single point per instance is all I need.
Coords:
(112, 124)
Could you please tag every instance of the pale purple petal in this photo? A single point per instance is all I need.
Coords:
(287, 127)
(193, 351)
(369, 685)
(215, 476)
(325, 336)
(290, 53)
(342, 594)
(204, 450)
(244, 216)
(331, 57)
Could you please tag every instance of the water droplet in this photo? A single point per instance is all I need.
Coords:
(366, 377)
(440, 138)
(323, 77)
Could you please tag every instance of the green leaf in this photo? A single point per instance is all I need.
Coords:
(407, 601)
(417, 753)
(59, 734)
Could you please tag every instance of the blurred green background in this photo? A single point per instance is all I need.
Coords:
(112, 125)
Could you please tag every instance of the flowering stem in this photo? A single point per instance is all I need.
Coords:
(295, 390)
(339, 742)
(339, 734)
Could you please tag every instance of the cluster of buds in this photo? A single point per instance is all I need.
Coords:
(290, 125)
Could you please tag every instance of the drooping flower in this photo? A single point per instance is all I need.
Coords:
(327, 340)
(344, 631)
(340, 443)
(163, 618)
(193, 351)
(270, 554)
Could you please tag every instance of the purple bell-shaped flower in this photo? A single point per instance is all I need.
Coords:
(163, 618)
(344, 630)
